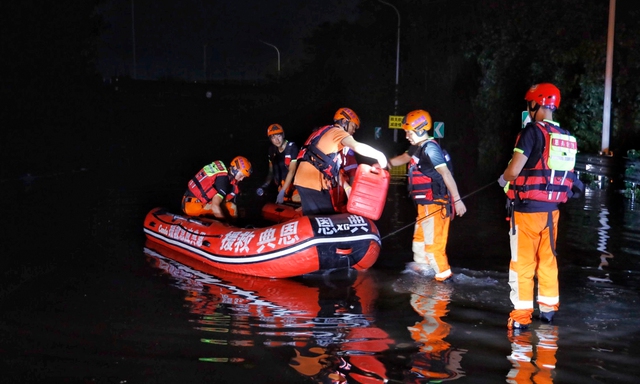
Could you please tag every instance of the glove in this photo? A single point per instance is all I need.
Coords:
(260, 191)
(501, 181)
(280, 198)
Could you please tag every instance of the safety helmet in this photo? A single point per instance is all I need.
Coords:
(544, 94)
(275, 129)
(418, 120)
(241, 164)
(348, 115)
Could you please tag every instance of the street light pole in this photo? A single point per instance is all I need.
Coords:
(606, 114)
(278, 51)
(395, 105)
(133, 39)
(204, 61)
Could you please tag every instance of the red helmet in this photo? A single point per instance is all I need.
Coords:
(242, 165)
(544, 94)
(417, 120)
(348, 115)
(275, 129)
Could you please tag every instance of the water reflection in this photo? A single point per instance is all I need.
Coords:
(329, 324)
(435, 359)
(533, 355)
(603, 251)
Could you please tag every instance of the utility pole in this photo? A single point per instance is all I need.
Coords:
(395, 105)
(204, 61)
(133, 39)
(606, 113)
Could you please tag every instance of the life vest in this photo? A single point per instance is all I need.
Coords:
(426, 185)
(551, 178)
(202, 185)
(327, 164)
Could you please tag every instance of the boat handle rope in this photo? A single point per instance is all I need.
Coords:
(433, 213)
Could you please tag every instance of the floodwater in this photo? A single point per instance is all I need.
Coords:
(84, 301)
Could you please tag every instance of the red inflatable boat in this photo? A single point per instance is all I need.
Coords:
(296, 247)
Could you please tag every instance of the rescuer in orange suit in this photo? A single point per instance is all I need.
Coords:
(319, 161)
(433, 189)
(538, 178)
(212, 191)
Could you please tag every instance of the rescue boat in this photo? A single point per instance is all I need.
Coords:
(302, 245)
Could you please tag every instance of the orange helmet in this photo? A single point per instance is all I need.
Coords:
(275, 129)
(544, 94)
(348, 115)
(240, 164)
(418, 120)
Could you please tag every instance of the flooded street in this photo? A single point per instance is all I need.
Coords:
(86, 300)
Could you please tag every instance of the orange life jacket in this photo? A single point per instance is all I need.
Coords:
(327, 164)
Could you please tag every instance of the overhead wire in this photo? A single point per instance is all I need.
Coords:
(433, 213)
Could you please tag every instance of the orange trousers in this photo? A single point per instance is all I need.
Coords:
(430, 236)
(533, 255)
(194, 207)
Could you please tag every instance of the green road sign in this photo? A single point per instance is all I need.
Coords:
(438, 129)
(525, 118)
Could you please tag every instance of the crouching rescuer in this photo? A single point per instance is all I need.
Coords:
(213, 190)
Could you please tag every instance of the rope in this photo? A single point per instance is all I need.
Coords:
(433, 213)
(189, 231)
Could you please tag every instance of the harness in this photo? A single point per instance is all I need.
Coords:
(551, 178)
(426, 185)
(202, 185)
(327, 164)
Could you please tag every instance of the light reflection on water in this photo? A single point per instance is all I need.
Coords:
(379, 325)
(329, 325)
(604, 230)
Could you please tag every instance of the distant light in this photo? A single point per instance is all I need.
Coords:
(208, 94)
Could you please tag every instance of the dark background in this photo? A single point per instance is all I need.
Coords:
(90, 134)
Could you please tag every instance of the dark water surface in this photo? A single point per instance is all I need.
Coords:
(83, 300)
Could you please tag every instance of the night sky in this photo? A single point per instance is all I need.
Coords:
(170, 37)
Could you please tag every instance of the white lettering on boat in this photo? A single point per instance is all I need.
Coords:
(194, 238)
(289, 233)
(237, 241)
